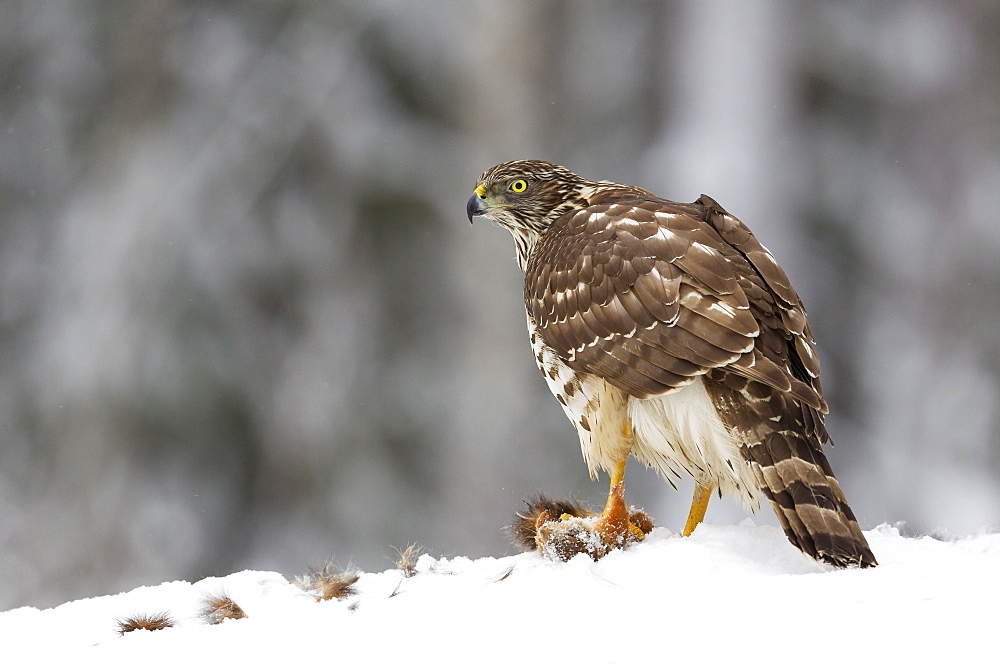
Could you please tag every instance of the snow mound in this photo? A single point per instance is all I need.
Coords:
(727, 593)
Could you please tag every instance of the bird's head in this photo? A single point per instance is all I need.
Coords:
(525, 196)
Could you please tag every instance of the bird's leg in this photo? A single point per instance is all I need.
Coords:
(613, 524)
(699, 504)
(617, 478)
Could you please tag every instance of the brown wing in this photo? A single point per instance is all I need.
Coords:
(650, 294)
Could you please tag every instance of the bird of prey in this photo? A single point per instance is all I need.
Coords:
(669, 333)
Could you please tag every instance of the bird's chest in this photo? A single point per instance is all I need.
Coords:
(597, 409)
(673, 433)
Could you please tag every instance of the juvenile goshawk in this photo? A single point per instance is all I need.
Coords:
(669, 333)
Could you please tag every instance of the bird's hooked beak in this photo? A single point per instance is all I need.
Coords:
(476, 206)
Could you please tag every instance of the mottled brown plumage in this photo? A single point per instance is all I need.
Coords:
(668, 332)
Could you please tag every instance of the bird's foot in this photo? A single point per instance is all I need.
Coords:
(578, 530)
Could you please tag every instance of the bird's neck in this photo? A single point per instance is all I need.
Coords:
(524, 244)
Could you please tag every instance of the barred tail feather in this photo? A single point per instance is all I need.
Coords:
(795, 476)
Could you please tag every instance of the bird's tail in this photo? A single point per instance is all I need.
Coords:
(794, 474)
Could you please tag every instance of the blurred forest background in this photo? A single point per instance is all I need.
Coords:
(244, 322)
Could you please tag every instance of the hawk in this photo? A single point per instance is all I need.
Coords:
(669, 333)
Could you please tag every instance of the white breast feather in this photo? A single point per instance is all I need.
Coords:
(596, 409)
(682, 431)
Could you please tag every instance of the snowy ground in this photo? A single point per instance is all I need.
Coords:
(728, 593)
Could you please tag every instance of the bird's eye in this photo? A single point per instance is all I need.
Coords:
(518, 186)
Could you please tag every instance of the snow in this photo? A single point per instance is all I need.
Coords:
(725, 594)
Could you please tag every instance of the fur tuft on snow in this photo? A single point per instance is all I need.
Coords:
(329, 583)
(406, 559)
(219, 607)
(145, 622)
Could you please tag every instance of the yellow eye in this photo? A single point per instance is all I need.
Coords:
(518, 186)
